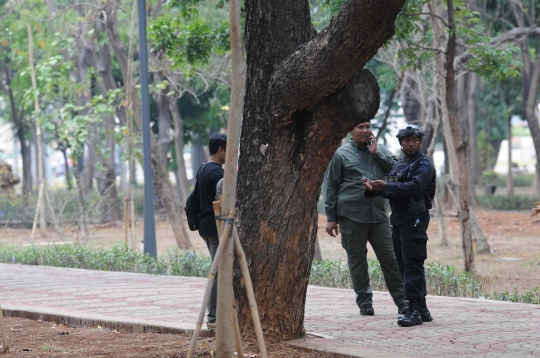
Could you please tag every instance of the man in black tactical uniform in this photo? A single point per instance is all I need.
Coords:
(410, 186)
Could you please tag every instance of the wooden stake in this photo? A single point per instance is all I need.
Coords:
(237, 337)
(221, 248)
(34, 225)
(251, 295)
(3, 329)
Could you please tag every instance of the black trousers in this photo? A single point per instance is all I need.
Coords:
(410, 245)
(212, 242)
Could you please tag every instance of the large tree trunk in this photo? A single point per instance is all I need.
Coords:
(297, 103)
(160, 174)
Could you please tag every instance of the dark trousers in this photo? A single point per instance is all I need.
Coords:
(410, 243)
(354, 238)
(212, 243)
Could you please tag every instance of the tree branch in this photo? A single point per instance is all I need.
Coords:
(432, 14)
(516, 34)
(329, 61)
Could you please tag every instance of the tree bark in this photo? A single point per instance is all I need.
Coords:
(473, 156)
(297, 103)
(161, 177)
(410, 94)
(452, 131)
(510, 174)
(164, 120)
(179, 150)
(25, 150)
(84, 96)
(66, 169)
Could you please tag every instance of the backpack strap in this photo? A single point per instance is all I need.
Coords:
(201, 174)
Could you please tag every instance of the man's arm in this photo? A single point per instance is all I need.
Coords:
(215, 177)
(422, 177)
(333, 181)
(385, 159)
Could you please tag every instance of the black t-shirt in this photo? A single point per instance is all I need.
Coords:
(208, 178)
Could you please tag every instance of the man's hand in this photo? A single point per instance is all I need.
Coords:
(373, 146)
(378, 185)
(367, 183)
(331, 227)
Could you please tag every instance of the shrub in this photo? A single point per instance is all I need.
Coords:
(441, 280)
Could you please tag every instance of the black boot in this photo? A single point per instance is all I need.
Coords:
(367, 310)
(412, 317)
(424, 312)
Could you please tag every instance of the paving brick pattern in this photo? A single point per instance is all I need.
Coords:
(462, 327)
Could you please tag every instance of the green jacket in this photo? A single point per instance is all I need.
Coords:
(345, 190)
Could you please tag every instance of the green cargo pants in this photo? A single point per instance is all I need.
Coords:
(354, 239)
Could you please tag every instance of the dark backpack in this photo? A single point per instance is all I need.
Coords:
(193, 204)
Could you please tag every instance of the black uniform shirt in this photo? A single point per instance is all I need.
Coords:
(417, 171)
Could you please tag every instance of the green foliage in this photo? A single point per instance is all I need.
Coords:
(441, 280)
(489, 177)
(119, 258)
(530, 296)
(186, 38)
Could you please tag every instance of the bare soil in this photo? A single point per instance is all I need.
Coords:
(27, 338)
(514, 238)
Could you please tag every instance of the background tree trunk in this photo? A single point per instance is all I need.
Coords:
(456, 146)
(510, 174)
(161, 177)
(179, 148)
(298, 103)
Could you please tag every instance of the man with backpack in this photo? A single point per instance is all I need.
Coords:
(410, 186)
(204, 194)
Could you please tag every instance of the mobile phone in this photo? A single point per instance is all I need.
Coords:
(369, 140)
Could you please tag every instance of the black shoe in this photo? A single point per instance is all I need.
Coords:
(367, 310)
(211, 325)
(403, 308)
(425, 315)
(411, 318)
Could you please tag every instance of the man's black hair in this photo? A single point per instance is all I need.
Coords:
(217, 140)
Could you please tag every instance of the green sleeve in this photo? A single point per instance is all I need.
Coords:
(385, 159)
(333, 181)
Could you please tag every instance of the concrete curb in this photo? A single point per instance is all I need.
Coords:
(86, 320)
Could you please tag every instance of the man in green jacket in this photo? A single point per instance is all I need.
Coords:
(361, 220)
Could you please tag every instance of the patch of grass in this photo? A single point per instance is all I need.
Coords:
(503, 202)
(441, 280)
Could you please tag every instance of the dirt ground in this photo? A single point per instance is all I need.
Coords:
(514, 238)
(28, 338)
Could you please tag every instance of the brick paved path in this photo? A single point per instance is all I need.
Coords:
(462, 327)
